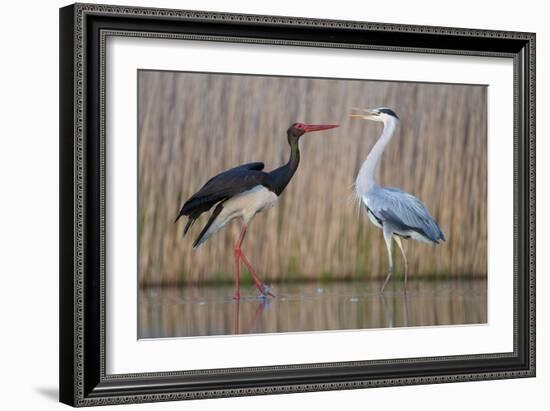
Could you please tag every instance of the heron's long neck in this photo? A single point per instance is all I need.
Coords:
(283, 175)
(365, 179)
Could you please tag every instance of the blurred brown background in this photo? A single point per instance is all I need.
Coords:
(193, 126)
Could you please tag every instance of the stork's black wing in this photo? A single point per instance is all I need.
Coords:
(221, 187)
(257, 166)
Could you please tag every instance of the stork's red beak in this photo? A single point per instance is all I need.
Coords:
(318, 127)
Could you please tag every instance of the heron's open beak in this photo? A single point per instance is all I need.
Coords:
(319, 127)
(365, 114)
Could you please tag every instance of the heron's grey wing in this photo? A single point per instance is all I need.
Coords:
(404, 211)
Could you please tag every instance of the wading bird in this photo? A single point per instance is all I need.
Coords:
(397, 213)
(242, 192)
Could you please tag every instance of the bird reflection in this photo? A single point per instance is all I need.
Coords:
(250, 325)
(237, 316)
(194, 311)
(405, 309)
(389, 312)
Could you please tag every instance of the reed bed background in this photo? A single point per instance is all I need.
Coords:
(194, 125)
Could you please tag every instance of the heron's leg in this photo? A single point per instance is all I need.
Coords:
(400, 245)
(240, 255)
(237, 254)
(388, 239)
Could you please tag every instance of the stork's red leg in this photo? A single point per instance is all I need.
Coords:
(237, 294)
(239, 254)
(259, 284)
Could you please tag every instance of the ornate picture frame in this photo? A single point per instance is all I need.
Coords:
(84, 29)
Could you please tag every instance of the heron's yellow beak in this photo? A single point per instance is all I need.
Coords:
(364, 113)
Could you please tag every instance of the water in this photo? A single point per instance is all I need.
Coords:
(202, 311)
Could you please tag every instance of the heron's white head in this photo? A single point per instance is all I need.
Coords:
(381, 114)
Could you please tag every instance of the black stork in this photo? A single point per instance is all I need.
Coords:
(242, 192)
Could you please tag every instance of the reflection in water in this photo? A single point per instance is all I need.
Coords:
(200, 311)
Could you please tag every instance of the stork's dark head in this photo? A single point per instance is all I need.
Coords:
(297, 130)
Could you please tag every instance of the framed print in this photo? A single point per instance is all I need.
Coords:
(262, 204)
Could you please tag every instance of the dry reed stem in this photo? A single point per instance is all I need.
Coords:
(192, 126)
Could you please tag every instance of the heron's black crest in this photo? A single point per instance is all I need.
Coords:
(388, 111)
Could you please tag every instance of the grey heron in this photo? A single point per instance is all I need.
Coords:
(398, 213)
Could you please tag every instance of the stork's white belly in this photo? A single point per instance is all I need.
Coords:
(247, 204)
